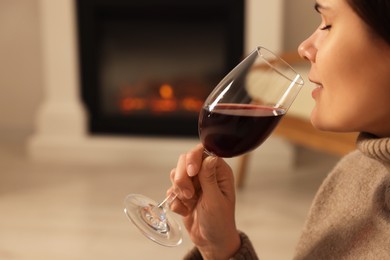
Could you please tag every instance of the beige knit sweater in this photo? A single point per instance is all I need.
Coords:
(350, 215)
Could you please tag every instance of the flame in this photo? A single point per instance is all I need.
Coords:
(166, 91)
(129, 104)
(191, 104)
(165, 102)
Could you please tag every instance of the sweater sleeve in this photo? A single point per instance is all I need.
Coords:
(246, 251)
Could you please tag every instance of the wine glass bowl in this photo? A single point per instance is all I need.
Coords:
(239, 114)
(247, 104)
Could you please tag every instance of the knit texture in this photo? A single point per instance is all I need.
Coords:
(350, 215)
(246, 251)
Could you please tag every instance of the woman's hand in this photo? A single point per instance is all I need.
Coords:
(206, 200)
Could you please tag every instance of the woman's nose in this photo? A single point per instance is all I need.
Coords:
(307, 50)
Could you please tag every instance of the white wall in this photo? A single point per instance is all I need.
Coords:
(263, 24)
(300, 20)
(20, 67)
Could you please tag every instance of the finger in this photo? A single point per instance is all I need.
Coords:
(172, 175)
(181, 181)
(208, 177)
(180, 207)
(194, 160)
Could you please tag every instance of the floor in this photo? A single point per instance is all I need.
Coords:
(68, 211)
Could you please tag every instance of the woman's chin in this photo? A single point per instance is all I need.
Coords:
(314, 119)
(319, 123)
(328, 124)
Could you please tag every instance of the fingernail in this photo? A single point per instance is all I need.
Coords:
(191, 170)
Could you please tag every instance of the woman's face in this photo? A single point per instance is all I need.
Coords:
(350, 67)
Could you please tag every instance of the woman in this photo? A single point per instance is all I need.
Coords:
(350, 216)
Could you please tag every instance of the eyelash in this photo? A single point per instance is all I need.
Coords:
(326, 27)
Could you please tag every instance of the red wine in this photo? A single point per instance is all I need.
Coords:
(232, 129)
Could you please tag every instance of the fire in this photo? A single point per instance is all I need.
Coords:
(164, 100)
(130, 104)
(191, 104)
(167, 102)
(166, 91)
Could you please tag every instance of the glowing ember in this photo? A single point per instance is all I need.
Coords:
(166, 91)
(191, 104)
(130, 104)
(166, 101)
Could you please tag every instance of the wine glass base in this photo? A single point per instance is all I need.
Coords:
(155, 223)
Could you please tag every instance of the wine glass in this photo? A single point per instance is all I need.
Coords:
(238, 116)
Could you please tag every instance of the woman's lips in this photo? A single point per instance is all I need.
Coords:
(317, 89)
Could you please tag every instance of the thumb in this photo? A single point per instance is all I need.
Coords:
(207, 176)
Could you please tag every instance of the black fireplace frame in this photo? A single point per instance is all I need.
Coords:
(89, 15)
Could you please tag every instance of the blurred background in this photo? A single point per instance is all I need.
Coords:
(22, 70)
(67, 164)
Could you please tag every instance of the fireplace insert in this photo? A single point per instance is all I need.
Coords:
(146, 66)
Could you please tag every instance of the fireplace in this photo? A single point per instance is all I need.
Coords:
(146, 66)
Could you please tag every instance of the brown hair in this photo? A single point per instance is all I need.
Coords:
(376, 14)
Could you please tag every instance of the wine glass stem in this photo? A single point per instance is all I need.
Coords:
(172, 196)
(167, 201)
(206, 154)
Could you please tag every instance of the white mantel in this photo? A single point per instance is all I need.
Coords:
(61, 129)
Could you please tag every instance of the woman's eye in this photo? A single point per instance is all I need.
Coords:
(326, 27)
